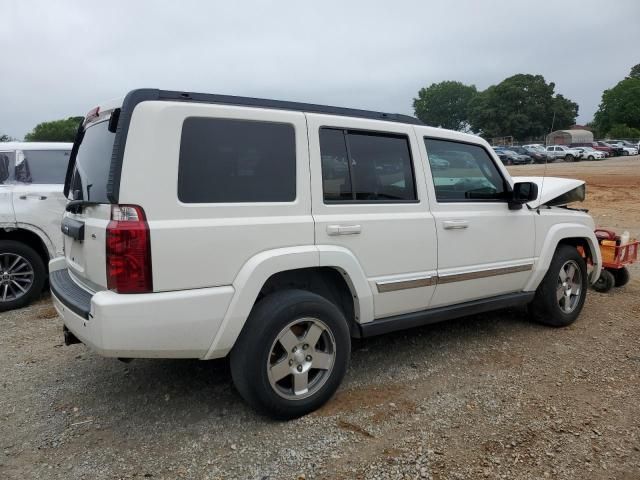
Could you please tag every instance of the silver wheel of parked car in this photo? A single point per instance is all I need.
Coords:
(301, 358)
(569, 290)
(16, 276)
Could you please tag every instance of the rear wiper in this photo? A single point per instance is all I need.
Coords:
(75, 206)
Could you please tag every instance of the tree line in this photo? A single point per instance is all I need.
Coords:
(522, 106)
(526, 107)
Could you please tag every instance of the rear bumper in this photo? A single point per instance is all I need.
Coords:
(178, 324)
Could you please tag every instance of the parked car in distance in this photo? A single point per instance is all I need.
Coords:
(509, 157)
(246, 244)
(617, 151)
(565, 153)
(608, 151)
(31, 204)
(536, 155)
(589, 153)
(627, 148)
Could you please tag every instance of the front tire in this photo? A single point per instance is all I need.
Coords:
(569, 158)
(292, 354)
(561, 294)
(22, 275)
(591, 157)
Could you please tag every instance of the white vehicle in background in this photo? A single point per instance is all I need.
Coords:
(590, 153)
(201, 226)
(32, 176)
(563, 152)
(627, 147)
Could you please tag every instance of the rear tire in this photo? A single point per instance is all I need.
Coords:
(292, 354)
(561, 294)
(621, 277)
(605, 282)
(22, 275)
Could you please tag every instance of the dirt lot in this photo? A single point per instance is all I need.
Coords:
(492, 396)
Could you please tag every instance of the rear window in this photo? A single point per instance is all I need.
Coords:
(91, 170)
(236, 161)
(42, 166)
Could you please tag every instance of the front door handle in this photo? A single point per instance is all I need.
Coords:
(37, 197)
(343, 229)
(455, 224)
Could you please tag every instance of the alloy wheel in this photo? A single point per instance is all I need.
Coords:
(16, 276)
(569, 287)
(301, 358)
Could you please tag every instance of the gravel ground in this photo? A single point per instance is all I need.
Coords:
(490, 396)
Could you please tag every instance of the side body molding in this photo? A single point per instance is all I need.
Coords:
(557, 233)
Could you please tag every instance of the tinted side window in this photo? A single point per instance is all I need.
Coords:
(229, 161)
(379, 166)
(336, 176)
(6, 160)
(463, 172)
(42, 166)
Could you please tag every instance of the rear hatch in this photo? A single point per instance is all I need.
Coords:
(88, 214)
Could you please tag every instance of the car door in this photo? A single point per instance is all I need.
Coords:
(7, 160)
(485, 249)
(37, 193)
(369, 200)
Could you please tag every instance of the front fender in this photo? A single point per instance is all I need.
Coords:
(555, 235)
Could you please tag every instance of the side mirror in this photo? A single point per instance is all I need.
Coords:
(523, 192)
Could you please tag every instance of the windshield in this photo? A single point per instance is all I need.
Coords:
(91, 170)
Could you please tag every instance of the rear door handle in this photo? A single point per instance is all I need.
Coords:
(455, 224)
(343, 229)
(37, 197)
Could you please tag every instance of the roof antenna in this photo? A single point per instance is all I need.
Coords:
(546, 161)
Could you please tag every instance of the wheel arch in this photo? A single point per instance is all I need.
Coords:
(31, 236)
(576, 235)
(332, 272)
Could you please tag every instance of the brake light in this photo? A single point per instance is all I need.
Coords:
(128, 247)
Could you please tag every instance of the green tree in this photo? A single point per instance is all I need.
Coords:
(623, 131)
(55, 131)
(5, 138)
(635, 71)
(620, 105)
(523, 106)
(445, 104)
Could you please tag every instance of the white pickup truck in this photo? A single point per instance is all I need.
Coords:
(567, 154)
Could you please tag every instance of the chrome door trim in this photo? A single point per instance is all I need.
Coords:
(476, 274)
(394, 285)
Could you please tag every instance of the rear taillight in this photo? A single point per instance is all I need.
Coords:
(128, 251)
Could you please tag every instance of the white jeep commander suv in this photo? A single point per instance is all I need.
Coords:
(201, 226)
(31, 207)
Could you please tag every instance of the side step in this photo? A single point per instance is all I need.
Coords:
(439, 314)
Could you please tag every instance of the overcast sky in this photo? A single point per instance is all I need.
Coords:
(60, 58)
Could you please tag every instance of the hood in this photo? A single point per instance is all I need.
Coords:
(554, 191)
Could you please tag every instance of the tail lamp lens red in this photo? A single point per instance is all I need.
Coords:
(128, 251)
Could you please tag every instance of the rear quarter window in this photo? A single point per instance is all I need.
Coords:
(236, 161)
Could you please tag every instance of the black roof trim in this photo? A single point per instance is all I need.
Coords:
(135, 97)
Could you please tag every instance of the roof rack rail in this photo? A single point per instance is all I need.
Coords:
(136, 96)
